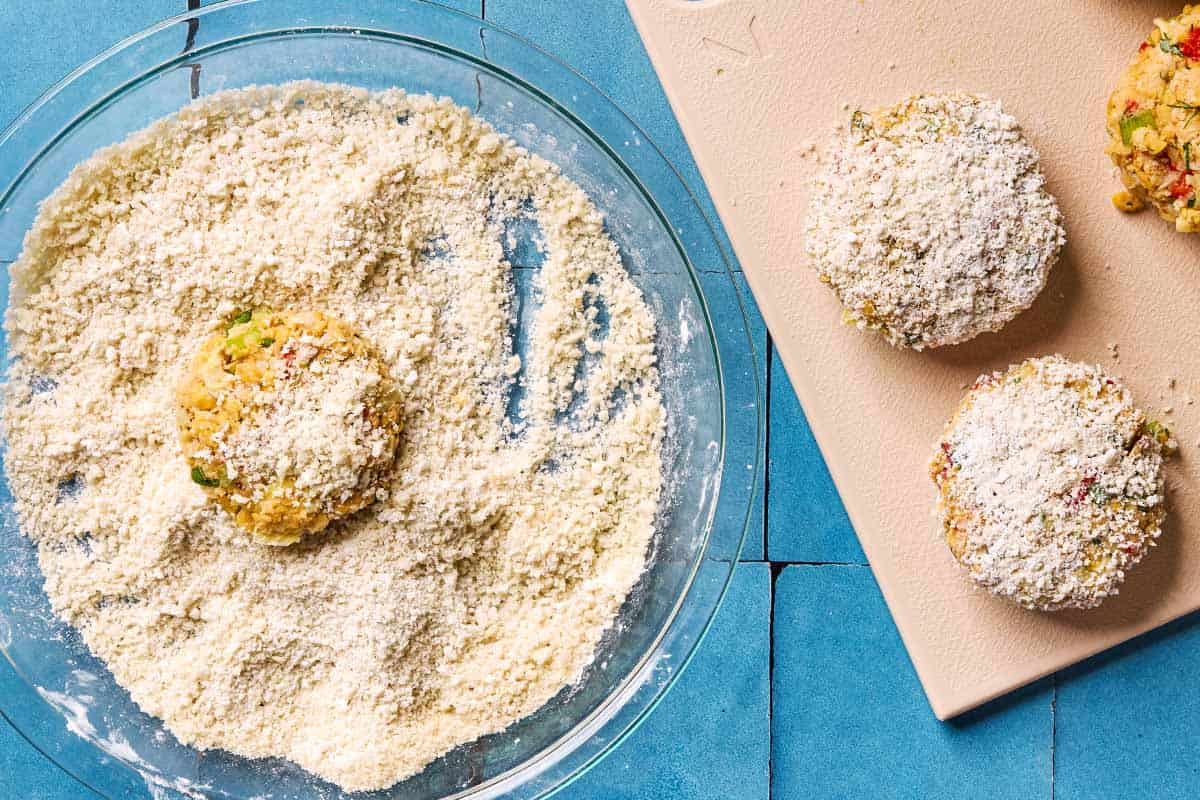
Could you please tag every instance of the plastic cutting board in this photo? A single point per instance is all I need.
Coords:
(752, 83)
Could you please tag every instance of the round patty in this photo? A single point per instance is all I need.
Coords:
(1051, 483)
(1154, 122)
(931, 220)
(289, 421)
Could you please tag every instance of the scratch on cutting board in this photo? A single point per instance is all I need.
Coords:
(756, 40)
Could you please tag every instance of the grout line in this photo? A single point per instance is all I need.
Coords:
(776, 569)
(766, 450)
(781, 563)
(193, 27)
(483, 51)
(1053, 729)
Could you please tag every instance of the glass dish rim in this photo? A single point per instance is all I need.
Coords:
(616, 700)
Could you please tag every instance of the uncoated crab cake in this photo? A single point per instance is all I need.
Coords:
(931, 221)
(289, 420)
(1051, 483)
(1154, 122)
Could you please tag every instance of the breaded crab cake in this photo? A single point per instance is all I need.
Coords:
(1051, 483)
(289, 420)
(1154, 122)
(931, 220)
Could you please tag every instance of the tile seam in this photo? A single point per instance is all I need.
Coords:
(766, 444)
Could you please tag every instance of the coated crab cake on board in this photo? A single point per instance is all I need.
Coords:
(931, 220)
(289, 420)
(1154, 122)
(1050, 483)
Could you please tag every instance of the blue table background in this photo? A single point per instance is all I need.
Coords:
(802, 688)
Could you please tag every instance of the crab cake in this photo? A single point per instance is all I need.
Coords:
(289, 420)
(1154, 122)
(1051, 483)
(931, 221)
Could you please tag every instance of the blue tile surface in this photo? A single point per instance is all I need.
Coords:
(710, 737)
(46, 40)
(26, 774)
(756, 535)
(806, 521)
(849, 720)
(1126, 720)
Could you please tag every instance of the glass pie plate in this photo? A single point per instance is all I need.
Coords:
(66, 703)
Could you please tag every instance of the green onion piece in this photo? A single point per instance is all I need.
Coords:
(1167, 46)
(267, 342)
(1131, 122)
(199, 477)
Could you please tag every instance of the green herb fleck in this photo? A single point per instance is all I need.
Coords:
(1097, 494)
(1157, 430)
(1095, 540)
(199, 477)
(242, 317)
(267, 342)
(1167, 46)
(1187, 156)
(1189, 107)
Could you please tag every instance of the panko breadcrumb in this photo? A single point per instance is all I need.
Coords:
(1154, 122)
(521, 507)
(1051, 483)
(932, 222)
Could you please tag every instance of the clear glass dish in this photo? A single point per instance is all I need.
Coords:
(66, 703)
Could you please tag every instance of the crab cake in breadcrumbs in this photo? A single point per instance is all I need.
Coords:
(931, 220)
(1051, 483)
(289, 421)
(1154, 123)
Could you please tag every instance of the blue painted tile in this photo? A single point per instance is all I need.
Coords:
(849, 719)
(1126, 720)
(756, 535)
(806, 520)
(27, 774)
(722, 297)
(709, 737)
(52, 37)
(598, 39)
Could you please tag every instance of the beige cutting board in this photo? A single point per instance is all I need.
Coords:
(751, 81)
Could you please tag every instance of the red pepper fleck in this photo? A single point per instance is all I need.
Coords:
(1081, 492)
(1131, 549)
(1180, 188)
(1110, 382)
(1143, 46)
(1131, 106)
(946, 450)
(1190, 44)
